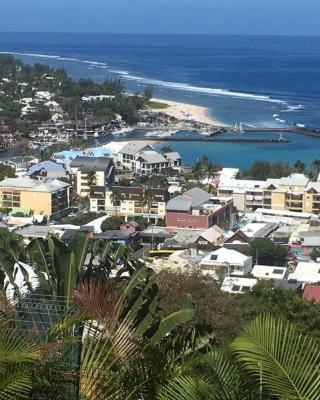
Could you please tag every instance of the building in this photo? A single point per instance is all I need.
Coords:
(307, 272)
(294, 193)
(197, 209)
(46, 169)
(89, 172)
(213, 235)
(20, 164)
(237, 285)
(247, 194)
(49, 197)
(269, 272)
(129, 227)
(224, 262)
(312, 293)
(143, 159)
(130, 205)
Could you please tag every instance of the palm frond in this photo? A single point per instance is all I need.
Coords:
(287, 362)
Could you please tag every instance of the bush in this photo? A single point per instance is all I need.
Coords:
(111, 223)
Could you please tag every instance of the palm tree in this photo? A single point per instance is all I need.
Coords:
(270, 359)
(92, 178)
(147, 199)
(315, 168)
(166, 149)
(197, 171)
(116, 200)
(299, 167)
(115, 317)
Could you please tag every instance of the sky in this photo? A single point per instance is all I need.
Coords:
(280, 17)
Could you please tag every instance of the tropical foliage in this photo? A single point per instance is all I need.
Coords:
(83, 322)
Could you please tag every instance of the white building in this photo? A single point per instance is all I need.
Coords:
(307, 272)
(225, 262)
(247, 194)
(269, 272)
(143, 159)
(237, 285)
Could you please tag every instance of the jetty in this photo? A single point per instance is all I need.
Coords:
(211, 139)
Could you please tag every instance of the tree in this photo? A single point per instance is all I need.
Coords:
(315, 169)
(6, 172)
(216, 311)
(264, 251)
(148, 92)
(275, 353)
(111, 223)
(166, 149)
(116, 200)
(299, 167)
(315, 254)
(147, 200)
(92, 178)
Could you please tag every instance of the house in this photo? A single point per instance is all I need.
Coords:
(47, 169)
(269, 272)
(118, 236)
(129, 204)
(237, 285)
(237, 237)
(20, 164)
(143, 159)
(129, 227)
(212, 235)
(225, 262)
(307, 272)
(49, 197)
(197, 209)
(310, 239)
(312, 293)
(89, 172)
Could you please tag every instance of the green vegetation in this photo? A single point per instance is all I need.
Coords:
(262, 170)
(111, 223)
(265, 252)
(81, 218)
(23, 81)
(227, 315)
(156, 105)
(106, 333)
(6, 172)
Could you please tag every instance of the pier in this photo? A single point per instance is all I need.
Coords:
(209, 139)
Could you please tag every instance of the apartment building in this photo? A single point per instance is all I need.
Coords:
(49, 197)
(143, 159)
(129, 205)
(247, 194)
(91, 171)
(295, 193)
(197, 209)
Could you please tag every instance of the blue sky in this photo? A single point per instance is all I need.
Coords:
(300, 17)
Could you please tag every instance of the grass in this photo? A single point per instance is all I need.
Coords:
(157, 105)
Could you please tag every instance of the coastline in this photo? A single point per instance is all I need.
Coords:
(187, 112)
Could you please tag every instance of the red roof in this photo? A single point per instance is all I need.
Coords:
(312, 292)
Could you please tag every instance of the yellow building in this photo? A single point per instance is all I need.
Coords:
(49, 197)
(295, 193)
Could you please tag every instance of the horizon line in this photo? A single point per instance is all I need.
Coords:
(165, 34)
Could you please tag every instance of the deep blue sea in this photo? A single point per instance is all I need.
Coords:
(256, 80)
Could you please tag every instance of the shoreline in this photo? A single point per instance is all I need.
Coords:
(187, 112)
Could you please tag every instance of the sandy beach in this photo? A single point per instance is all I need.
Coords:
(185, 111)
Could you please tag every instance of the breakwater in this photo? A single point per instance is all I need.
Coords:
(209, 139)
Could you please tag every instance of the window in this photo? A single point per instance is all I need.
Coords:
(235, 288)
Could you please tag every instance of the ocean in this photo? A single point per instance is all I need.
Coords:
(257, 80)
